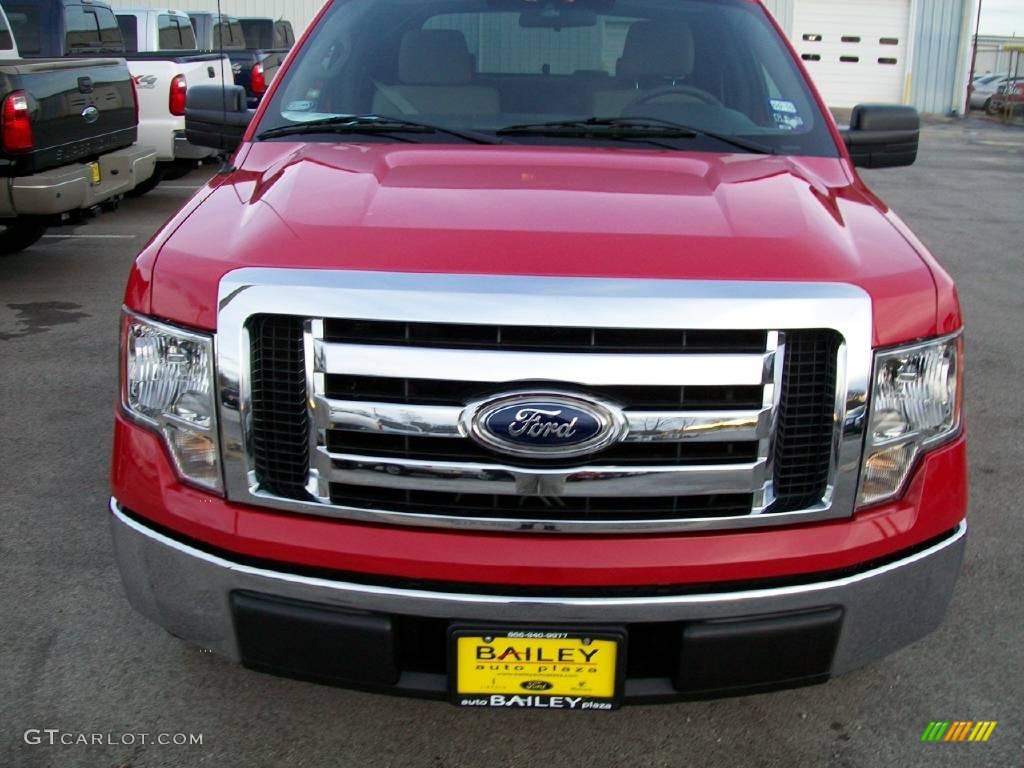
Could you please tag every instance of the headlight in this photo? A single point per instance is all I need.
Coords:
(915, 405)
(168, 385)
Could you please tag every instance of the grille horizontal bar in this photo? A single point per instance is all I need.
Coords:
(503, 479)
(345, 386)
(443, 421)
(427, 448)
(598, 369)
(544, 338)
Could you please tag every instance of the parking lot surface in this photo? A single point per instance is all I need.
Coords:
(75, 657)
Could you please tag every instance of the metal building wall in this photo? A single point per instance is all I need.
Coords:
(941, 48)
(991, 56)
(941, 41)
(298, 12)
(783, 12)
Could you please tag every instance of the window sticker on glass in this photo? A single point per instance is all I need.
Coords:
(786, 116)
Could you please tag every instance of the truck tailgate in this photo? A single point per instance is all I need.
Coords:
(206, 69)
(153, 74)
(80, 108)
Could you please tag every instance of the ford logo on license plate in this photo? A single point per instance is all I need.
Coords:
(543, 424)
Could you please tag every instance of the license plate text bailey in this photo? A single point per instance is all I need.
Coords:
(542, 669)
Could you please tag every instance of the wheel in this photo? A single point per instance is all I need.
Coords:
(657, 94)
(18, 234)
(148, 185)
(990, 108)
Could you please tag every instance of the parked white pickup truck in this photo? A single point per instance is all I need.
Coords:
(160, 46)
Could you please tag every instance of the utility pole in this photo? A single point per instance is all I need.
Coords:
(974, 60)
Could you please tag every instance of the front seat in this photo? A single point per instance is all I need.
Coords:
(656, 54)
(435, 74)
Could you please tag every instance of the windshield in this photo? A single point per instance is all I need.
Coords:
(259, 33)
(716, 66)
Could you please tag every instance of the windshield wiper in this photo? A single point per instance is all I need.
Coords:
(372, 124)
(629, 128)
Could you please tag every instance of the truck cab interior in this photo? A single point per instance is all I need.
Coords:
(486, 64)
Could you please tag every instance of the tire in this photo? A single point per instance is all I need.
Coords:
(148, 185)
(19, 235)
(990, 109)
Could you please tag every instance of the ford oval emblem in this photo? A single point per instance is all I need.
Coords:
(543, 424)
(536, 685)
(90, 114)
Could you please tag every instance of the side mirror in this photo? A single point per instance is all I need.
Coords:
(883, 135)
(216, 117)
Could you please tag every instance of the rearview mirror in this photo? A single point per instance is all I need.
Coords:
(216, 117)
(883, 135)
(561, 18)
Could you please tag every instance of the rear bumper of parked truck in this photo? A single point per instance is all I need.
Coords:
(390, 635)
(71, 187)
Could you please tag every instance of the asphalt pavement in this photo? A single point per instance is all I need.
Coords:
(74, 656)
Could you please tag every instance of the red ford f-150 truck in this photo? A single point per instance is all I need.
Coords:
(542, 355)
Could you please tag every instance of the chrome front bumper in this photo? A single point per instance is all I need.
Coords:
(187, 591)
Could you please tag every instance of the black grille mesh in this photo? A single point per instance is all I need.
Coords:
(621, 454)
(803, 440)
(440, 392)
(545, 338)
(542, 507)
(279, 413)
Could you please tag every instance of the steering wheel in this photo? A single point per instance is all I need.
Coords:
(698, 94)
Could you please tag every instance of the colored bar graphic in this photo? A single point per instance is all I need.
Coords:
(958, 730)
(982, 730)
(935, 730)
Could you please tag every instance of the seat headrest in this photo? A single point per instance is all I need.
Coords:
(657, 48)
(434, 57)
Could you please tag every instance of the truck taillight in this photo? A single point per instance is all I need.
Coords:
(17, 123)
(177, 98)
(258, 84)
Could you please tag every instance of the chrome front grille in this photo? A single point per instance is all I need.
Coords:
(679, 463)
(356, 411)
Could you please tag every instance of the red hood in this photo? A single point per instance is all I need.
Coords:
(539, 211)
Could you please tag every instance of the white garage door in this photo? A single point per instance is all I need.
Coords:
(854, 49)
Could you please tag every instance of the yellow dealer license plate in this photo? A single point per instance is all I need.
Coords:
(94, 168)
(537, 669)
